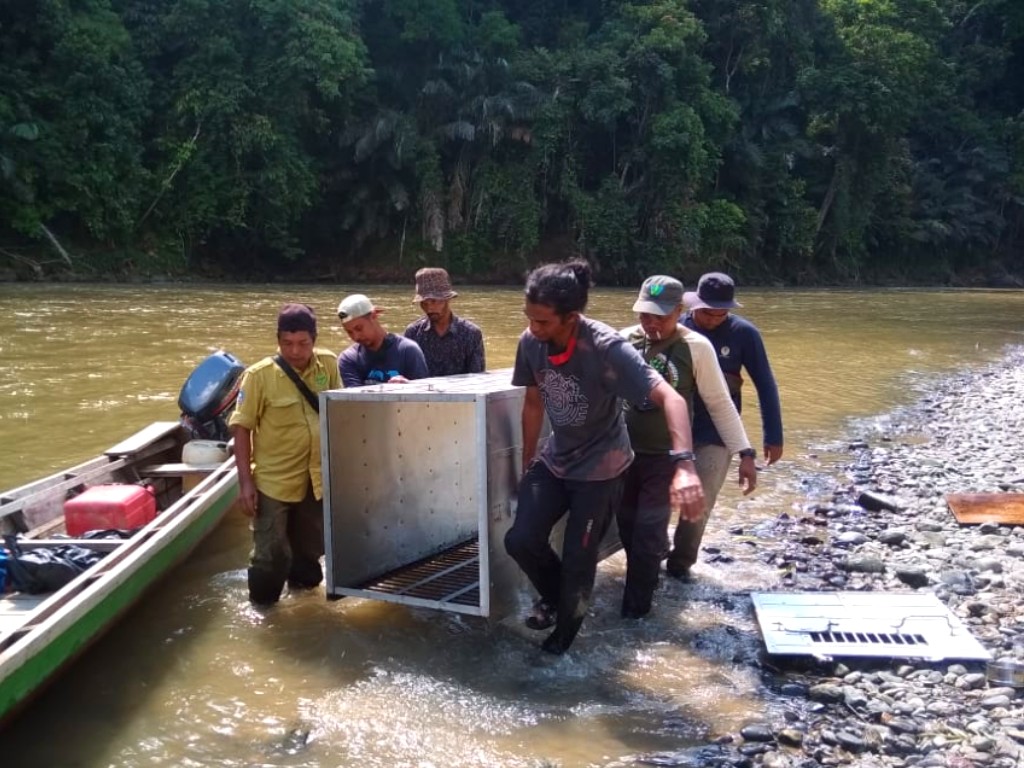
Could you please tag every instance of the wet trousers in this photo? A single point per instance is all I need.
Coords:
(288, 541)
(565, 583)
(712, 466)
(643, 518)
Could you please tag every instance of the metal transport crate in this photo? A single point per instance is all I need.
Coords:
(419, 487)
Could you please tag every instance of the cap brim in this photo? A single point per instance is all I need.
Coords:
(693, 301)
(652, 307)
(350, 318)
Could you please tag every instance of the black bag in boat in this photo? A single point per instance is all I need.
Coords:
(46, 569)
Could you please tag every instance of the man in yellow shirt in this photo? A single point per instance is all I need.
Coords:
(276, 427)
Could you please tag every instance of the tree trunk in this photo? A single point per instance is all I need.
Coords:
(830, 196)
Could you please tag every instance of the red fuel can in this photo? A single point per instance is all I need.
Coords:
(109, 506)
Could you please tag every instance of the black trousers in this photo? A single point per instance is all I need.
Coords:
(567, 582)
(643, 519)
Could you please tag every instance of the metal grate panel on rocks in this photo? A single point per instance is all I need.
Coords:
(863, 624)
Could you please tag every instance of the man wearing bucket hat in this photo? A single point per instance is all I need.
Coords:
(738, 345)
(686, 360)
(277, 452)
(450, 344)
(377, 356)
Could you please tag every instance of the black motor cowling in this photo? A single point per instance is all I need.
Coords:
(209, 394)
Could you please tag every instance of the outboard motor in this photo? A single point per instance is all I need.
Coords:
(208, 396)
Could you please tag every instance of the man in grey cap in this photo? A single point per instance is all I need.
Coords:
(738, 345)
(377, 356)
(686, 360)
(450, 344)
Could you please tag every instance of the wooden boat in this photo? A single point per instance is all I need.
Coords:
(41, 634)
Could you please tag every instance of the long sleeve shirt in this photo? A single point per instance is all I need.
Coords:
(739, 346)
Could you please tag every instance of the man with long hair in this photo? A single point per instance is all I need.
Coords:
(576, 370)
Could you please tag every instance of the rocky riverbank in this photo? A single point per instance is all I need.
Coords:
(886, 527)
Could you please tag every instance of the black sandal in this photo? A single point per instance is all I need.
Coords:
(544, 616)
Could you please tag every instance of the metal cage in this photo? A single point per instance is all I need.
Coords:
(419, 490)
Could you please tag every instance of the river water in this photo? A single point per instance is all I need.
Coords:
(196, 677)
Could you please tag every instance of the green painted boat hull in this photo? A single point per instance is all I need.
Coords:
(40, 668)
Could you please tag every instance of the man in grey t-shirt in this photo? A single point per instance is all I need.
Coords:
(576, 370)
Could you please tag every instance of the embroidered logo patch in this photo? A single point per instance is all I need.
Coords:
(656, 290)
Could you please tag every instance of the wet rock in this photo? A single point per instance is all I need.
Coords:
(985, 544)
(854, 697)
(902, 725)
(955, 579)
(851, 538)
(826, 692)
(851, 742)
(876, 502)
(971, 681)
(757, 732)
(988, 564)
(991, 702)
(912, 577)
(863, 565)
(790, 737)
(892, 537)
(776, 760)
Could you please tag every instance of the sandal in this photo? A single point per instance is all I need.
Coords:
(542, 617)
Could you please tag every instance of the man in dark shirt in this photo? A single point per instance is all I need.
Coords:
(738, 345)
(376, 356)
(450, 344)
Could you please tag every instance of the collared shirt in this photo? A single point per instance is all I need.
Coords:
(285, 428)
(459, 350)
(738, 344)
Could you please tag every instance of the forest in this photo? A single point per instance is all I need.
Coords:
(788, 142)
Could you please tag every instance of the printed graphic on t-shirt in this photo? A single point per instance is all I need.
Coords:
(377, 376)
(669, 372)
(564, 400)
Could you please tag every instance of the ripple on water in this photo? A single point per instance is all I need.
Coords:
(396, 717)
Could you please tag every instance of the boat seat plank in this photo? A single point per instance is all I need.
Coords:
(97, 545)
(177, 469)
(143, 438)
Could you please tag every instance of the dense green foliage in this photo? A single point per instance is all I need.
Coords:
(782, 140)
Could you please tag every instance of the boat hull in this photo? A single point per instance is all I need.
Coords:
(81, 612)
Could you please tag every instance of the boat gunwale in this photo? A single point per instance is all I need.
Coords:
(47, 622)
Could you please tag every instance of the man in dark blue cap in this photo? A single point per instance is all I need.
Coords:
(739, 345)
